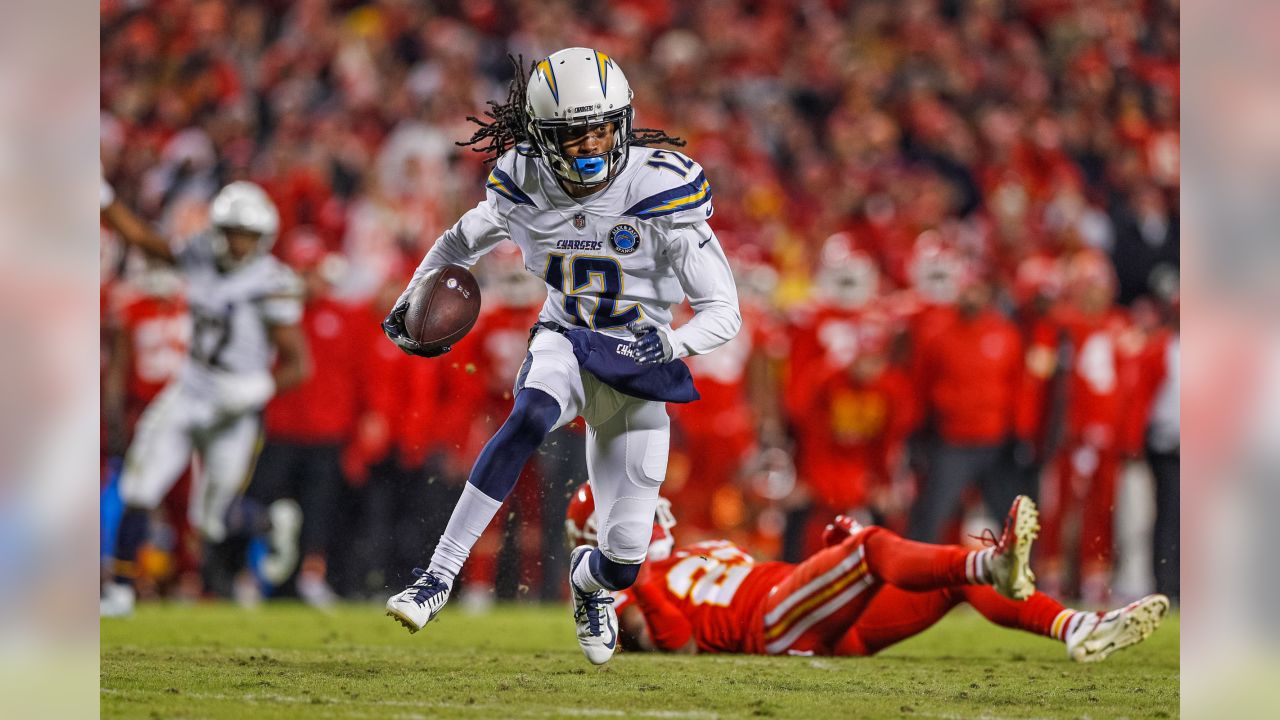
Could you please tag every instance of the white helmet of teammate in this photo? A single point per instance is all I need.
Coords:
(245, 206)
(569, 92)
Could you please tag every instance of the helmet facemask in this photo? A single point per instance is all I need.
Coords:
(242, 208)
(549, 136)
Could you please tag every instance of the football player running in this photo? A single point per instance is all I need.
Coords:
(246, 344)
(867, 590)
(618, 231)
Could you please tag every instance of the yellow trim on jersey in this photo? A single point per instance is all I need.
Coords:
(686, 200)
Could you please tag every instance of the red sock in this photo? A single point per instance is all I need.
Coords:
(1039, 614)
(920, 566)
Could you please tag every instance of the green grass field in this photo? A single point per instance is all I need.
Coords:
(287, 661)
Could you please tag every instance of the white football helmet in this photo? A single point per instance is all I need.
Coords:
(847, 277)
(244, 206)
(574, 89)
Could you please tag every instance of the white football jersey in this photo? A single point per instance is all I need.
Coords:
(624, 254)
(231, 312)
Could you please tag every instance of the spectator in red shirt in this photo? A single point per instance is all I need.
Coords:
(859, 419)
(969, 373)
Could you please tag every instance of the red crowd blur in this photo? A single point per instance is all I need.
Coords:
(954, 228)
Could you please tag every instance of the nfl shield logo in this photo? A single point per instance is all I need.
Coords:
(579, 221)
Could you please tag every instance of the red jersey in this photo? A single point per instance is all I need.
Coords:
(157, 330)
(823, 338)
(322, 409)
(1103, 359)
(854, 428)
(970, 373)
(718, 587)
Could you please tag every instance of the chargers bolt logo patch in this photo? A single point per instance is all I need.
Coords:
(624, 239)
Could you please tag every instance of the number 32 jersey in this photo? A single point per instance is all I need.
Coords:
(719, 588)
(621, 255)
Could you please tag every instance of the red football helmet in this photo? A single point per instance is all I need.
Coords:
(580, 523)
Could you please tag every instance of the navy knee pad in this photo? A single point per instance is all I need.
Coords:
(613, 575)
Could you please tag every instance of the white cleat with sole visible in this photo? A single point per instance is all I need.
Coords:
(593, 614)
(419, 603)
(1011, 562)
(1100, 634)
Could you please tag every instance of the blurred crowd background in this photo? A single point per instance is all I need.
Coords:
(954, 226)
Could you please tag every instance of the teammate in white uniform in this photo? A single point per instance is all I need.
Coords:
(619, 233)
(245, 307)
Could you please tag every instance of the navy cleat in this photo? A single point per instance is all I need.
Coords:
(419, 603)
(594, 615)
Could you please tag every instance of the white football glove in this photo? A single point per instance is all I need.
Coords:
(240, 394)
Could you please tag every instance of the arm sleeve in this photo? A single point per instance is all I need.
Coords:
(475, 233)
(704, 274)
(668, 627)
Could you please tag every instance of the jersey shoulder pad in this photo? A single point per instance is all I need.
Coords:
(275, 280)
(512, 181)
(668, 184)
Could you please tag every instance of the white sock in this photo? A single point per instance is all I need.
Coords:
(1074, 623)
(977, 567)
(583, 580)
(470, 517)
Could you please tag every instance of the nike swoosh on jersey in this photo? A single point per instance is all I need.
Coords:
(704, 242)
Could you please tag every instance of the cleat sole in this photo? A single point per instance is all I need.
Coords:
(1138, 625)
(403, 621)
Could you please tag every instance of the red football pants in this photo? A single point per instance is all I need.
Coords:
(894, 614)
(814, 607)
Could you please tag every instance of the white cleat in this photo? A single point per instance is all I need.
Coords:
(1100, 634)
(1011, 562)
(594, 615)
(117, 600)
(418, 604)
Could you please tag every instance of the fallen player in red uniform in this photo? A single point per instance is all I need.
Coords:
(867, 590)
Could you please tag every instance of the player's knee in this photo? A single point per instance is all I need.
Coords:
(533, 415)
(627, 531)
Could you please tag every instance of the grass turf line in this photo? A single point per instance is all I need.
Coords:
(288, 661)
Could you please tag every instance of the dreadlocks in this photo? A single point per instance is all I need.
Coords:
(505, 128)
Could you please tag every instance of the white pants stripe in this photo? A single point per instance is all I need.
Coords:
(780, 611)
(821, 612)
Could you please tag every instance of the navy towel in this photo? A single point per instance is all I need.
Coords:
(611, 361)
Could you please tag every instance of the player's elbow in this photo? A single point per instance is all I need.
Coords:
(734, 321)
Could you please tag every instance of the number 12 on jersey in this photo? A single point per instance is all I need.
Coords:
(593, 276)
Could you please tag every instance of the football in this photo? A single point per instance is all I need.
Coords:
(443, 307)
